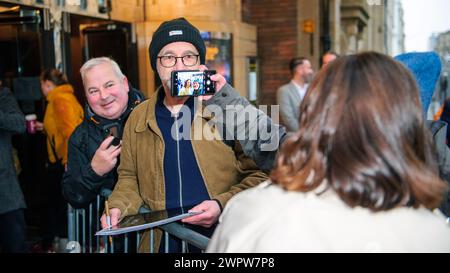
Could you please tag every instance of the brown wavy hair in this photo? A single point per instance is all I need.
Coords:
(362, 133)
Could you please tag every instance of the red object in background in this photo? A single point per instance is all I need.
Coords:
(31, 123)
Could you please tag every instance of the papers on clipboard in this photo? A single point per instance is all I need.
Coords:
(147, 220)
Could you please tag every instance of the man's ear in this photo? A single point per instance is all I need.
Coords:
(126, 83)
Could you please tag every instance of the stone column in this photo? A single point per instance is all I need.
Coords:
(354, 18)
(335, 25)
(56, 23)
(309, 10)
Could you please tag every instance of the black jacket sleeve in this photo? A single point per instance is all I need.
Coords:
(11, 118)
(258, 135)
(80, 183)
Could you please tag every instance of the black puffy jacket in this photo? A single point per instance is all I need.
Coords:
(80, 183)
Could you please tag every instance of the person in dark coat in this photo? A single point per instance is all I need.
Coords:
(12, 203)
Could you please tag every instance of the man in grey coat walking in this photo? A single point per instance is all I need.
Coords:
(291, 95)
(12, 203)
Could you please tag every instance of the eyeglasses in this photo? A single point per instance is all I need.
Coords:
(170, 61)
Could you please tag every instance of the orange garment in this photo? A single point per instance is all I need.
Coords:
(62, 116)
(438, 115)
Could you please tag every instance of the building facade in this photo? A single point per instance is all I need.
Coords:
(250, 40)
(290, 28)
(395, 28)
(219, 21)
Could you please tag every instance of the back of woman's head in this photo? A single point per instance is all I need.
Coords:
(362, 133)
(55, 76)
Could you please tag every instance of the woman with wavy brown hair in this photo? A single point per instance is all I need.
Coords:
(359, 176)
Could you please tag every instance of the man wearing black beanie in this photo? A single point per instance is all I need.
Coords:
(172, 156)
(178, 30)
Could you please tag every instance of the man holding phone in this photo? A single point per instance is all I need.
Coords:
(163, 169)
(95, 146)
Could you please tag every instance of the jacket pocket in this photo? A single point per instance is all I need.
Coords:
(155, 204)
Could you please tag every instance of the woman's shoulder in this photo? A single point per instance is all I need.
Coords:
(295, 221)
(271, 199)
(262, 199)
(63, 94)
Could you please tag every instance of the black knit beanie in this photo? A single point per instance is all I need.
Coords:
(177, 30)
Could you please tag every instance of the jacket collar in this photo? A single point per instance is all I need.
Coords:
(149, 119)
(59, 90)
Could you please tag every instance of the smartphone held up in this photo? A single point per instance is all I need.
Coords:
(192, 83)
(113, 131)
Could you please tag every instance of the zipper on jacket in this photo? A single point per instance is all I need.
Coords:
(184, 245)
(180, 179)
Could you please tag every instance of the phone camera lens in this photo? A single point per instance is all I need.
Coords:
(208, 82)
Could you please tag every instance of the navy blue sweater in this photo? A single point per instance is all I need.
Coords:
(184, 184)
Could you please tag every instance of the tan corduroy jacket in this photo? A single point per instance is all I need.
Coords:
(141, 171)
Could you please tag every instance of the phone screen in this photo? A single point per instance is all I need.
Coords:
(113, 132)
(192, 83)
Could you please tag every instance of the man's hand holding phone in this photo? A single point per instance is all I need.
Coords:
(219, 81)
(105, 158)
(202, 83)
(198, 83)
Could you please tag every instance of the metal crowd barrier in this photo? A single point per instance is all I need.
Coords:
(84, 223)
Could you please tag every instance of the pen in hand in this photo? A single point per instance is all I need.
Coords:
(108, 219)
